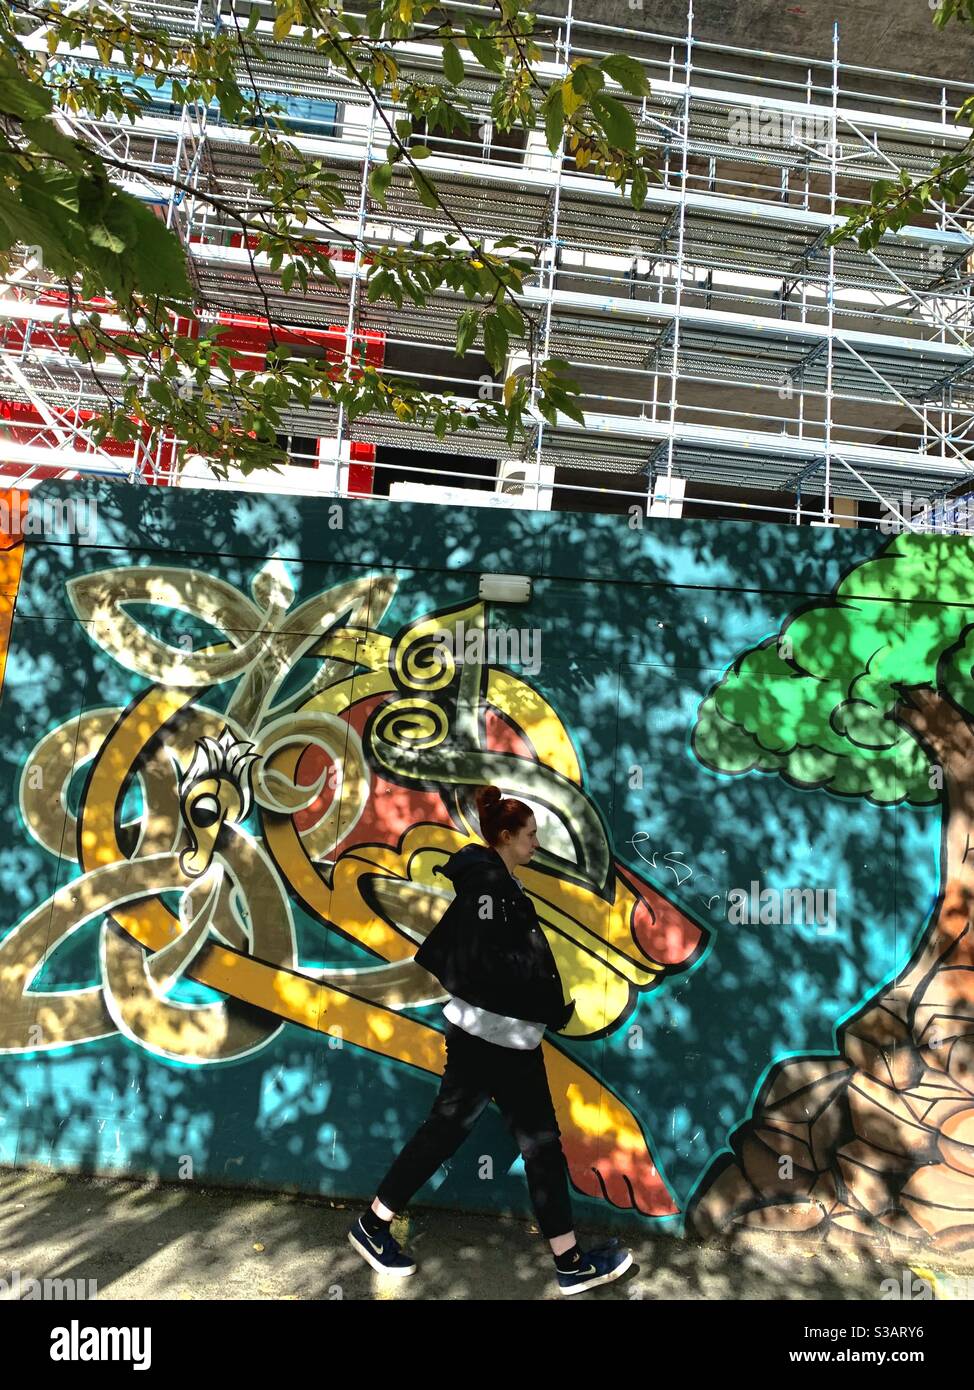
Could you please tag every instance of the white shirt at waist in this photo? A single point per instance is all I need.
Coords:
(495, 1028)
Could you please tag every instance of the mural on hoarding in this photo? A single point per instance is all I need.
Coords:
(313, 761)
(361, 779)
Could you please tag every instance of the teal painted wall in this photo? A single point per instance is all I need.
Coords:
(638, 626)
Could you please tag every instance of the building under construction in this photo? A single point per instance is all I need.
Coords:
(732, 363)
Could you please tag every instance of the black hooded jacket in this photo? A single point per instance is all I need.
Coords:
(488, 948)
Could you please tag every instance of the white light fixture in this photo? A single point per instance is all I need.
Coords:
(505, 588)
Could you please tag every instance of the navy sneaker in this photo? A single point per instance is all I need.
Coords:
(383, 1253)
(598, 1266)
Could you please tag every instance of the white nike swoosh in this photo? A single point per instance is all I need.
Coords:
(376, 1248)
(579, 1272)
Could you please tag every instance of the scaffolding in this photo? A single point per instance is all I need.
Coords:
(730, 361)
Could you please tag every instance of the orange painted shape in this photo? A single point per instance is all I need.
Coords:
(13, 509)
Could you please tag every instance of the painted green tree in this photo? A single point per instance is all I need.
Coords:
(868, 693)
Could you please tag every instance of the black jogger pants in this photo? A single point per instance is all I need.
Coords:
(477, 1072)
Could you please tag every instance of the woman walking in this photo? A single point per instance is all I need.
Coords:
(491, 956)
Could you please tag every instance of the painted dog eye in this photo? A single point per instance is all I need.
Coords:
(206, 811)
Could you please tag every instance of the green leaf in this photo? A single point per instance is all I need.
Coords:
(957, 181)
(482, 49)
(495, 341)
(554, 118)
(630, 74)
(20, 222)
(43, 133)
(377, 286)
(19, 96)
(618, 124)
(283, 23)
(412, 289)
(54, 193)
(566, 405)
(640, 187)
(453, 68)
(115, 239)
(586, 80)
(157, 259)
(424, 188)
(379, 181)
(511, 318)
(466, 329)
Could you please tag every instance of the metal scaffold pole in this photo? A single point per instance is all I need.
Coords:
(353, 299)
(680, 249)
(830, 369)
(553, 244)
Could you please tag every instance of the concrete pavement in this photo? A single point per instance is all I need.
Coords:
(144, 1241)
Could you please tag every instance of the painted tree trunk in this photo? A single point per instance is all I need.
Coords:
(878, 1139)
